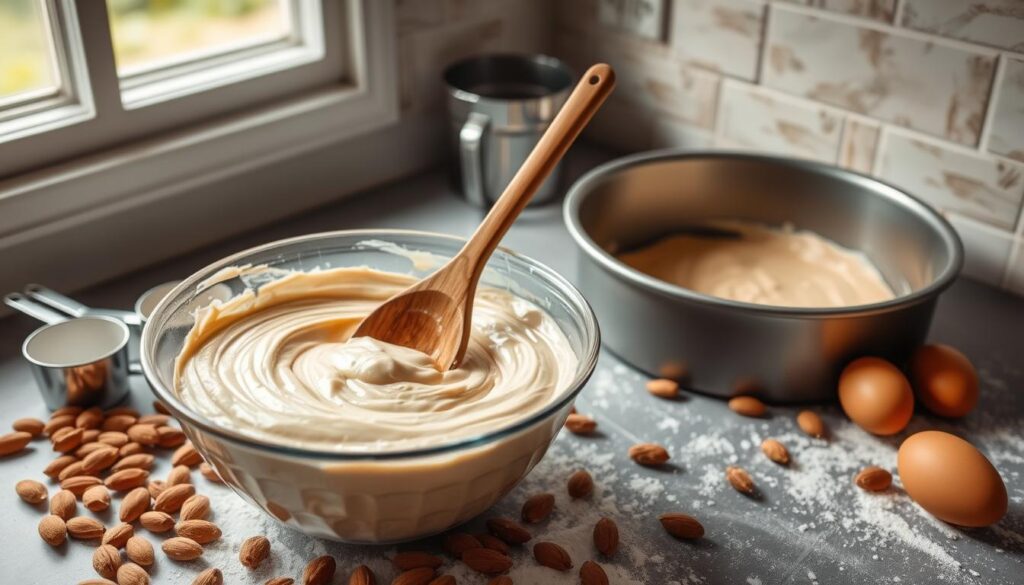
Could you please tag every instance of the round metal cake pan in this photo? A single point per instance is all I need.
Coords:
(727, 348)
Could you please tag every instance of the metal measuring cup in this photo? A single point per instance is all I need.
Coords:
(76, 362)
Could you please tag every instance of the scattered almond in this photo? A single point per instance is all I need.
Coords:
(66, 439)
(132, 574)
(663, 388)
(740, 480)
(606, 536)
(161, 407)
(681, 526)
(775, 451)
(580, 484)
(254, 551)
(405, 561)
(90, 418)
(118, 423)
(73, 470)
(501, 580)
(592, 573)
(12, 443)
(650, 454)
(32, 426)
(90, 436)
(96, 498)
(97, 581)
(873, 479)
(119, 410)
(486, 561)
(100, 459)
(134, 504)
(136, 461)
(186, 455)
(492, 542)
(67, 410)
(106, 560)
(180, 548)
(115, 439)
(126, 479)
(443, 580)
(57, 465)
(57, 422)
(538, 507)
(85, 528)
(118, 535)
(747, 406)
(143, 434)
(508, 530)
(552, 555)
(811, 424)
(79, 483)
(155, 488)
(211, 576)
(201, 531)
(156, 522)
(579, 424)
(197, 507)
(31, 491)
(209, 473)
(319, 571)
(172, 498)
(132, 448)
(53, 530)
(170, 437)
(458, 542)
(361, 576)
(63, 504)
(419, 576)
(87, 448)
(179, 475)
(139, 550)
(157, 420)
(285, 581)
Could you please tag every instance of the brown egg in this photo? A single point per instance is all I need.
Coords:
(876, 396)
(951, 479)
(944, 380)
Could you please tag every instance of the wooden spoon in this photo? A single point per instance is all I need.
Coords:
(434, 315)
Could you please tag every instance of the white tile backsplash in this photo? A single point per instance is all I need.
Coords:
(858, 146)
(999, 23)
(1007, 134)
(720, 35)
(986, 249)
(880, 10)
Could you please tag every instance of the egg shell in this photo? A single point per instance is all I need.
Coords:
(951, 479)
(944, 380)
(876, 395)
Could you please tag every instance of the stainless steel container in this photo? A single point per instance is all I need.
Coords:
(724, 347)
(499, 106)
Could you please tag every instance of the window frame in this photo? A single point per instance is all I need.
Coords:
(173, 163)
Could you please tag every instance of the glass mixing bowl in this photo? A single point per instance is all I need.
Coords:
(371, 497)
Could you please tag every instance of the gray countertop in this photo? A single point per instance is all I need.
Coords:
(811, 526)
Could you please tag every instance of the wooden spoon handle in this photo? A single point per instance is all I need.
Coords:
(591, 91)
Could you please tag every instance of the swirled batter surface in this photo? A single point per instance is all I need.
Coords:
(766, 266)
(278, 364)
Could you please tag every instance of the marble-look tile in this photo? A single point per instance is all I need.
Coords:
(983, 188)
(880, 10)
(1006, 136)
(986, 249)
(720, 35)
(1015, 269)
(999, 23)
(414, 15)
(667, 132)
(857, 149)
(937, 88)
(753, 118)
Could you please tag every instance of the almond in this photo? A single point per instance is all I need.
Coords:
(118, 535)
(53, 530)
(650, 454)
(179, 475)
(131, 448)
(592, 573)
(106, 560)
(663, 388)
(501, 580)
(492, 542)
(127, 479)
(171, 498)
(443, 580)
(115, 439)
(119, 410)
(186, 455)
(90, 418)
(100, 459)
(57, 422)
(31, 491)
(79, 483)
(552, 556)
(57, 465)
(288, 581)
(66, 439)
(606, 536)
(319, 571)
(96, 498)
(254, 551)
(873, 479)
(775, 451)
(747, 406)
(405, 561)
(161, 407)
(508, 530)
(201, 531)
(66, 410)
(196, 507)
(579, 424)
(85, 528)
(157, 420)
(137, 461)
(119, 423)
(580, 484)
(420, 576)
(811, 424)
(132, 574)
(458, 542)
(12, 443)
(361, 576)
(538, 508)
(486, 561)
(88, 448)
(156, 522)
(180, 548)
(73, 470)
(740, 480)
(63, 504)
(90, 436)
(681, 526)
(134, 504)
(140, 551)
(209, 473)
(170, 437)
(32, 426)
(143, 434)
(97, 581)
(155, 487)
(211, 576)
